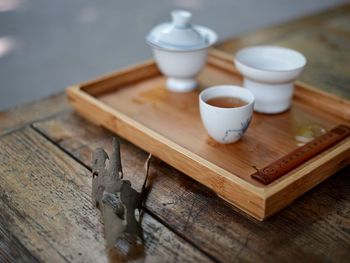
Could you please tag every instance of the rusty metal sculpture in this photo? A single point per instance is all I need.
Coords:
(119, 204)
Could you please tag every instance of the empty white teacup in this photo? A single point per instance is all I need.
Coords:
(269, 72)
(226, 125)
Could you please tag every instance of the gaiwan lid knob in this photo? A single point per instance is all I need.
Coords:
(181, 18)
(180, 35)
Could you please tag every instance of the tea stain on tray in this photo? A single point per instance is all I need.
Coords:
(157, 94)
(306, 128)
(138, 101)
(308, 132)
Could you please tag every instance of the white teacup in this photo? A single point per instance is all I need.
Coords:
(226, 125)
(269, 72)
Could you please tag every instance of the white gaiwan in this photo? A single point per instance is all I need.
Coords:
(269, 72)
(180, 50)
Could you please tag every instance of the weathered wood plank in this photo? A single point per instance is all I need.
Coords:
(27, 113)
(323, 38)
(11, 250)
(46, 199)
(316, 227)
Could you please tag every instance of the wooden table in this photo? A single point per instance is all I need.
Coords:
(45, 184)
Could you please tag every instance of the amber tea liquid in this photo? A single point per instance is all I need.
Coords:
(226, 102)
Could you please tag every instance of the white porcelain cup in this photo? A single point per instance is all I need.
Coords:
(269, 72)
(226, 125)
(181, 50)
(181, 68)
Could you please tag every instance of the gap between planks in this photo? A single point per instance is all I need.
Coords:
(11, 249)
(18, 127)
(152, 214)
(221, 230)
(32, 141)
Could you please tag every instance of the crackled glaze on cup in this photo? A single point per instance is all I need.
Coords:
(226, 125)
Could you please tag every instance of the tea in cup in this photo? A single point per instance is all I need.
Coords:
(226, 112)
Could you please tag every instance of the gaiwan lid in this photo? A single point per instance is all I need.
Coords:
(180, 35)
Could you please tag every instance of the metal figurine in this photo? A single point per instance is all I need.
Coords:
(118, 203)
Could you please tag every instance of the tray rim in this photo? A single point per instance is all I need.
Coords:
(264, 198)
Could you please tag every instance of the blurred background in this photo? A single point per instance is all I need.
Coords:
(47, 45)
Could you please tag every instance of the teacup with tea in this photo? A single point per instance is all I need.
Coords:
(226, 112)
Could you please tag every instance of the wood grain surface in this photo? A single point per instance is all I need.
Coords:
(46, 201)
(315, 228)
(11, 249)
(182, 216)
(323, 38)
(25, 114)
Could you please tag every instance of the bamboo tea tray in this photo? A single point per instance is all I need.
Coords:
(135, 104)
